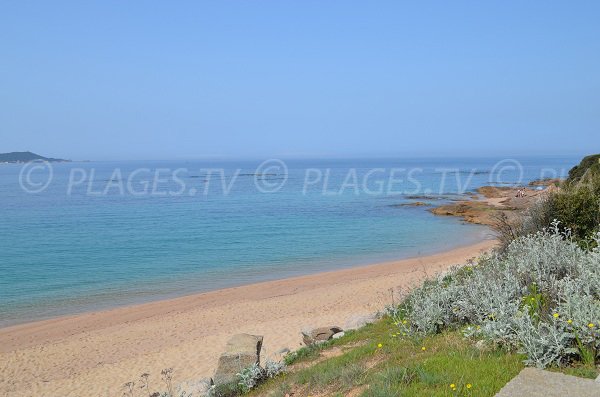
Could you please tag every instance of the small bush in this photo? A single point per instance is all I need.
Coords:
(252, 376)
(577, 207)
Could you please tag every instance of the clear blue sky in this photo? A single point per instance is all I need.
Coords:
(162, 80)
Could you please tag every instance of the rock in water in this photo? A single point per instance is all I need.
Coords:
(319, 335)
(242, 351)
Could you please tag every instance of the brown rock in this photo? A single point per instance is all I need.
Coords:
(495, 191)
(546, 182)
(413, 204)
(470, 211)
(318, 335)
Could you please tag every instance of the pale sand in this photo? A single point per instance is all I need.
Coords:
(94, 354)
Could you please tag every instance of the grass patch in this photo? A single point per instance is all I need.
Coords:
(305, 353)
(582, 371)
(308, 353)
(378, 362)
(386, 364)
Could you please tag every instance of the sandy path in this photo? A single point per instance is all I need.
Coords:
(94, 354)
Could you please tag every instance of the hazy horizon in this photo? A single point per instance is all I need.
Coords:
(245, 80)
(325, 157)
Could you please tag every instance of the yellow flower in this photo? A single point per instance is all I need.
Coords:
(469, 385)
(452, 386)
(404, 321)
(569, 321)
(423, 348)
(555, 315)
(380, 345)
(591, 325)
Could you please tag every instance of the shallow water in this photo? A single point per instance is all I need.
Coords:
(96, 238)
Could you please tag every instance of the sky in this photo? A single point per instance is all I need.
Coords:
(114, 80)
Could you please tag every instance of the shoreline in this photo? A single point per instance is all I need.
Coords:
(482, 237)
(351, 262)
(101, 350)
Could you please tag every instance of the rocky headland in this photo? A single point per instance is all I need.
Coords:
(483, 208)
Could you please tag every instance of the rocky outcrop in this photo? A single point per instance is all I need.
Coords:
(496, 191)
(492, 201)
(241, 351)
(319, 335)
(546, 182)
(470, 211)
(412, 204)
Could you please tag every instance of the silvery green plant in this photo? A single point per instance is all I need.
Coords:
(274, 368)
(250, 377)
(544, 343)
(541, 295)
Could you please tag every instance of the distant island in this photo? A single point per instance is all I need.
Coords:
(25, 157)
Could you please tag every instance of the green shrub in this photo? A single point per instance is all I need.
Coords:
(588, 164)
(577, 206)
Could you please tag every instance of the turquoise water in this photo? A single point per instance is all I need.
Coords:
(102, 243)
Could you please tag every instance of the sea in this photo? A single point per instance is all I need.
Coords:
(94, 235)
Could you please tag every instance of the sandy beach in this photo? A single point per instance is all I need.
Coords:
(94, 354)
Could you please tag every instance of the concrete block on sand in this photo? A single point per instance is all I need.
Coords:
(533, 382)
(241, 351)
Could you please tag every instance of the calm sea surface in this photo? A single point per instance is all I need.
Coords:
(104, 234)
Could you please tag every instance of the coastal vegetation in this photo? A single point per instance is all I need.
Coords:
(378, 360)
(540, 297)
(533, 302)
(469, 331)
